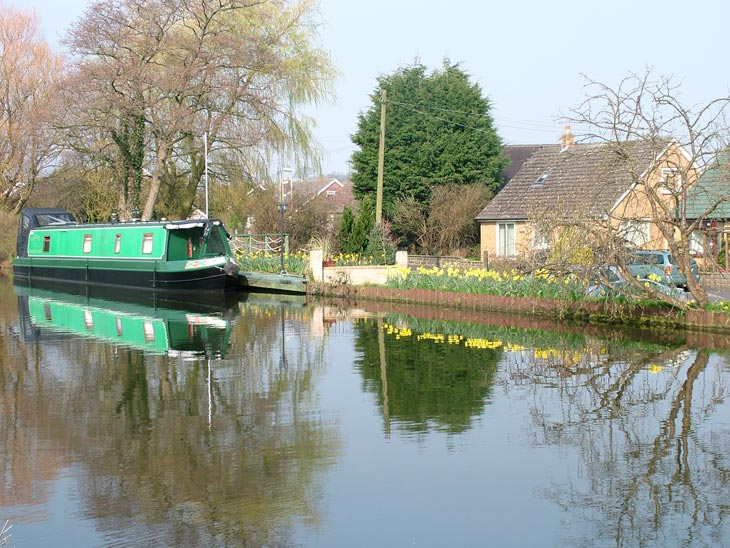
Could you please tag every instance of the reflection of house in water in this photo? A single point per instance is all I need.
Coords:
(325, 317)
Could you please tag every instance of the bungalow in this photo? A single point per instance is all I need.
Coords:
(584, 182)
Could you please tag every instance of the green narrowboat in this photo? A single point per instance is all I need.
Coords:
(178, 256)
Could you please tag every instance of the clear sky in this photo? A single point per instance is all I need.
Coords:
(526, 55)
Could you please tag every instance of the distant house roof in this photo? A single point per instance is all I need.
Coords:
(518, 155)
(336, 192)
(588, 176)
(712, 189)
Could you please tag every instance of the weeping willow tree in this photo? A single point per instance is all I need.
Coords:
(29, 70)
(155, 79)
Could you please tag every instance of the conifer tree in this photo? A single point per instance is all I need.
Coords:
(439, 131)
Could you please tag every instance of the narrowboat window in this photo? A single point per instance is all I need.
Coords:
(149, 332)
(46, 244)
(117, 243)
(87, 243)
(88, 320)
(118, 323)
(45, 219)
(147, 243)
(216, 246)
(47, 314)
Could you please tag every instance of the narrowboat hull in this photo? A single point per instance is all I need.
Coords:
(160, 276)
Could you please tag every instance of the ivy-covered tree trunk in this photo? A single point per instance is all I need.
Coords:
(130, 141)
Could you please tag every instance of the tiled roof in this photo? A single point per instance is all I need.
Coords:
(518, 155)
(584, 178)
(712, 187)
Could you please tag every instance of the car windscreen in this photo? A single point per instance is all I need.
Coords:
(649, 258)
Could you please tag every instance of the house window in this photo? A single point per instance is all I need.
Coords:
(540, 240)
(147, 243)
(506, 240)
(46, 244)
(635, 232)
(697, 242)
(87, 243)
(670, 181)
(541, 179)
(117, 243)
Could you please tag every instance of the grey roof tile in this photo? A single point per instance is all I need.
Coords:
(583, 178)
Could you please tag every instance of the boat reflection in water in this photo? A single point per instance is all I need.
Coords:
(142, 321)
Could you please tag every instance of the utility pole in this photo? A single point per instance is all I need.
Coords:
(285, 176)
(381, 161)
(205, 145)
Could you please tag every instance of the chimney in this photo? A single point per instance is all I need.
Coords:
(567, 138)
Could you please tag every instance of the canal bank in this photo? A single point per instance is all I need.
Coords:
(355, 283)
(584, 311)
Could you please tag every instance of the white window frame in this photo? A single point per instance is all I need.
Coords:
(540, 241)
(668, 173)
(635, 231)
(505, 247)
(697, 242)
(147, 241)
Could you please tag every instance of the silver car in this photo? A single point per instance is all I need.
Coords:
(643, 263)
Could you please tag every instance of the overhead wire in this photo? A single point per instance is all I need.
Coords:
(511, 123)
(532, 126)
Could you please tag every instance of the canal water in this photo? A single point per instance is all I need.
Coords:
(268, 422)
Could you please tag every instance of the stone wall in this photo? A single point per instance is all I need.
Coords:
(352, 275)
(430, 261)
(715, 279)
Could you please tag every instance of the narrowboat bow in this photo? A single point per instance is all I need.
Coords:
(179, 256)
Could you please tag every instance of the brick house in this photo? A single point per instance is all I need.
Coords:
(583, 181)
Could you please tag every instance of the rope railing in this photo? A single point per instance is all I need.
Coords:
(259, 243)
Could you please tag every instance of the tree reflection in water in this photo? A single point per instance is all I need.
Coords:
(185, 455)
(647, 418)
(657, 471)
(422, 386)
(238, 448)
